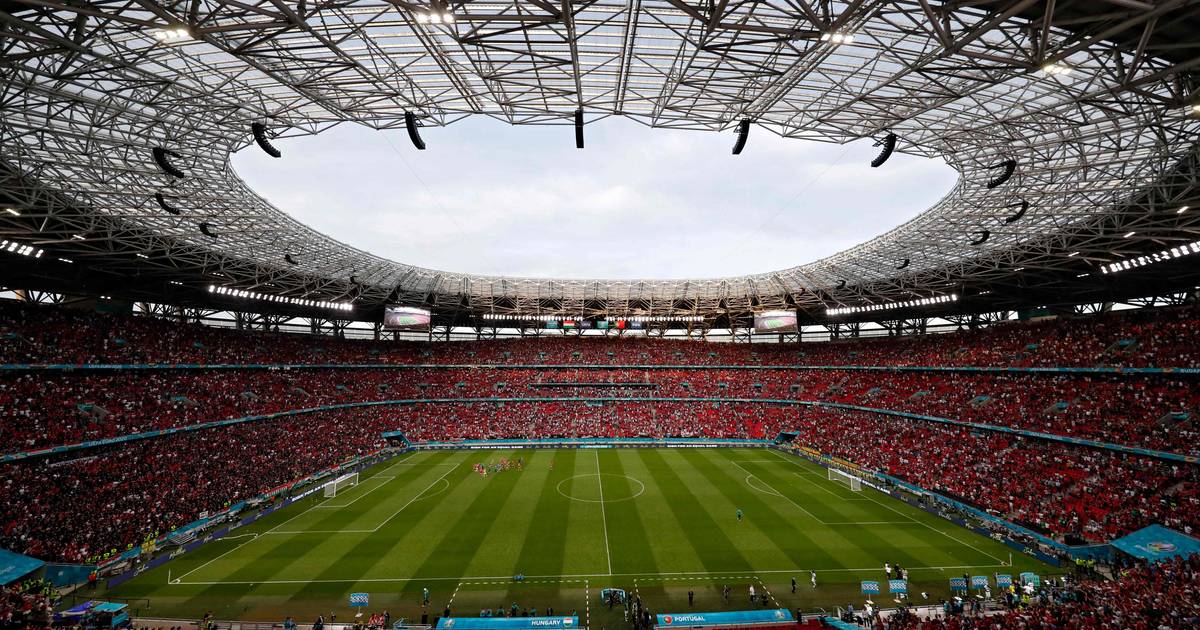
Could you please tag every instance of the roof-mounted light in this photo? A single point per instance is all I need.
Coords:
(173, 34)
(434, 17)
(887, 306)
(1057, 68)
(838, 38)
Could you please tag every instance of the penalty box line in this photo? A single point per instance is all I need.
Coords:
(901, 514)
(277, 532)
(385, 478)
(531, 579)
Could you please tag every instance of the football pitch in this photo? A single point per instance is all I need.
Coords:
(655, 522)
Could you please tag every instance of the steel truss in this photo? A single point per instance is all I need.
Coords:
(1104, 142)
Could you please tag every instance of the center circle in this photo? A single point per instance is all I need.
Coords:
(587, 488)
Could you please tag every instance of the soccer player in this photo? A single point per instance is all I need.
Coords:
(739, 515)
(691, 597)
(751, 593)
(813, 575)
(793, 585)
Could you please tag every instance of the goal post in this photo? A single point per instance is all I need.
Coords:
(845, 478)
(348, 480)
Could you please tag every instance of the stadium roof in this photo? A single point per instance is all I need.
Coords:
(1092, 108)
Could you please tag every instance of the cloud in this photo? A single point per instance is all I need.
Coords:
(637, 203)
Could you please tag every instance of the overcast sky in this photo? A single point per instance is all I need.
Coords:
(486, 197)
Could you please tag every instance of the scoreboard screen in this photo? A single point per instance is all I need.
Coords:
(775, 322)
(405, 318)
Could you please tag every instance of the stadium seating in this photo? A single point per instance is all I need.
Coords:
(1050, 487)
(1063, 490)
(25, 605)
(39, 409)
(82, 507)
(1158, 596)
(1146, 338)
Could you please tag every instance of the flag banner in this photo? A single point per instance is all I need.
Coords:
(979, 581)
(898, 586)
(1003, 580)
(1031, 578)
(870, 587)
(958, 584)
(358, 599)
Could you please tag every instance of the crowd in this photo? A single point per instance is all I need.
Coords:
(80, 507)
(49, 408)
(1067, 492)
(1162, 596)
(25, 605)
(1151, 337)
(77, 506)
(584, 419)
(92, 503)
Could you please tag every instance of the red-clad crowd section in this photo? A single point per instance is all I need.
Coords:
(90, 502)
(1162, 596)
(49, 408)
(1145, 338)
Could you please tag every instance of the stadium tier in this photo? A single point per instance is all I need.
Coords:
(456, 378)
(134, 383)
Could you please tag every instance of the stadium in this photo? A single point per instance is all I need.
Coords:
(258, 372)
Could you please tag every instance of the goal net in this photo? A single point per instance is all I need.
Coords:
(337, 485)
(845, 478)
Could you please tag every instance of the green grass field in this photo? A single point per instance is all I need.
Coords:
(658, 522)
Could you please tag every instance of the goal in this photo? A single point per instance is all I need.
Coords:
(345, 481)
(844, 477)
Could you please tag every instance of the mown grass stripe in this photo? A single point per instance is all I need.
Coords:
(780, 523)
(708, 539)
(371, 550)
(631, 546)
(545, 540)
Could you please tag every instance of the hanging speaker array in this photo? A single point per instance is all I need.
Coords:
(410, 123)
(1022, 208)
(162, 158)
(162, 203)
(579, 129)
(743, 132)
(889, 145)
(1010, 167)
(260, 136)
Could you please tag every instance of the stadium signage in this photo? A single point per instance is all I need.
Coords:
(870, 587)
(734, 618)
(507, 623)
